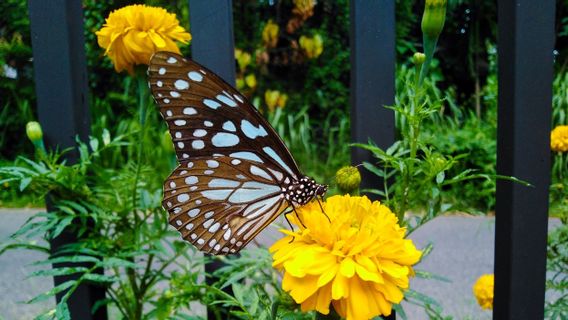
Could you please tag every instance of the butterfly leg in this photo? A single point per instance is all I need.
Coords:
(323, 211)
(297, 216)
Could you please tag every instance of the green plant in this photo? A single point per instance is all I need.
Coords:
(557, 267)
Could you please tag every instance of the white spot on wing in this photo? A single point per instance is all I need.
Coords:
(189, 111)
(199, 133)
(217, 194)
(226, 100)
(277, 174)
(193, 213)
(183, 197)
(198, 144)
(211, 103)
(246, 155)
(223, 183)
(195, 76)
(162, 70)
(229, 126)
(180, 123)
(175, 94)
(252, 190)
(212, 163)
(270, 152)
(191, 180)
(223, 139)
(259, 172)
(171, 60)
(208, 123)
(251, 131)
(214, 227)
(181, 84)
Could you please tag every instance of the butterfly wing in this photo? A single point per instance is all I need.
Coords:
(206, 116)
(233, 166)
(220, 204)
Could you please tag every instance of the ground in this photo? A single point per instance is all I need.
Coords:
(463, 250)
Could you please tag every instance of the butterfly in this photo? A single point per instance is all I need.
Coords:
(235, 174)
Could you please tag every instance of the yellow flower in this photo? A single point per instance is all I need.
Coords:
(132, 34)
(270, 34)
(483, 291)
(559, 139)
(304, 8)
(312, 46)
(250, 80)
(243, 59)
(275, 98)
(359, 262)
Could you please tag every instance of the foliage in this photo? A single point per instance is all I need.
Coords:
(557, 267)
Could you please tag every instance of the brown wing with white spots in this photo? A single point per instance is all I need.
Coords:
(220, 204)
(208, 117)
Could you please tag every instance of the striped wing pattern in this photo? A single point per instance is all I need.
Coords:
(234, 170)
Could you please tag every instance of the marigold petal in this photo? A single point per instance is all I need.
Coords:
(299, 288)
(340, 287)
(347, 267)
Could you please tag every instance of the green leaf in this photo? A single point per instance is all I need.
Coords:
(58, 271)
(24, 183)
(62, 311)
(440, 177)
(96, 277)
(63, 223)
(64, 286)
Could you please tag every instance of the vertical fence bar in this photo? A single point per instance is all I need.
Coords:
(526, 38)
(60, 75)
(213, 46)
(373, 60)
(372, 41)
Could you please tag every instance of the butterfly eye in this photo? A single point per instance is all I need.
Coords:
(235, 176)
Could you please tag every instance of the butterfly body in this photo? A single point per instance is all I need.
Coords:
(235, 175)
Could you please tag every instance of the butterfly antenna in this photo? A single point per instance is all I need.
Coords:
(321, 207)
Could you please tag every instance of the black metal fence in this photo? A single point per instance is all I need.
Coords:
(526, 34)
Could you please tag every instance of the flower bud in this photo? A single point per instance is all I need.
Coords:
(434, 18)
(418, 58)
(34, 132)
(250, 80)
(348, 179)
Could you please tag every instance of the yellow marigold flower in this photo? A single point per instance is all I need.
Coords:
(559, 139)
(359, 262)
(483, 291)
(270, 34)
(304, 8)
(132, 34)
(282, 99)
(250, 80)
(312, 46)
(243, 59)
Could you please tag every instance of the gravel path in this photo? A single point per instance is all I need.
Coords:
(463, 250)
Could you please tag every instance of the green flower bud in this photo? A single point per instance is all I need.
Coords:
(434, 18)
(348, 179)
(34, 132)
(418, 58)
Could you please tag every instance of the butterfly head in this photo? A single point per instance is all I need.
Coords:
(304, 190)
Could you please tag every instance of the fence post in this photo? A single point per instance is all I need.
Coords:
(60, 75)
(213, 46)
(525, 42)
(373, 60)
